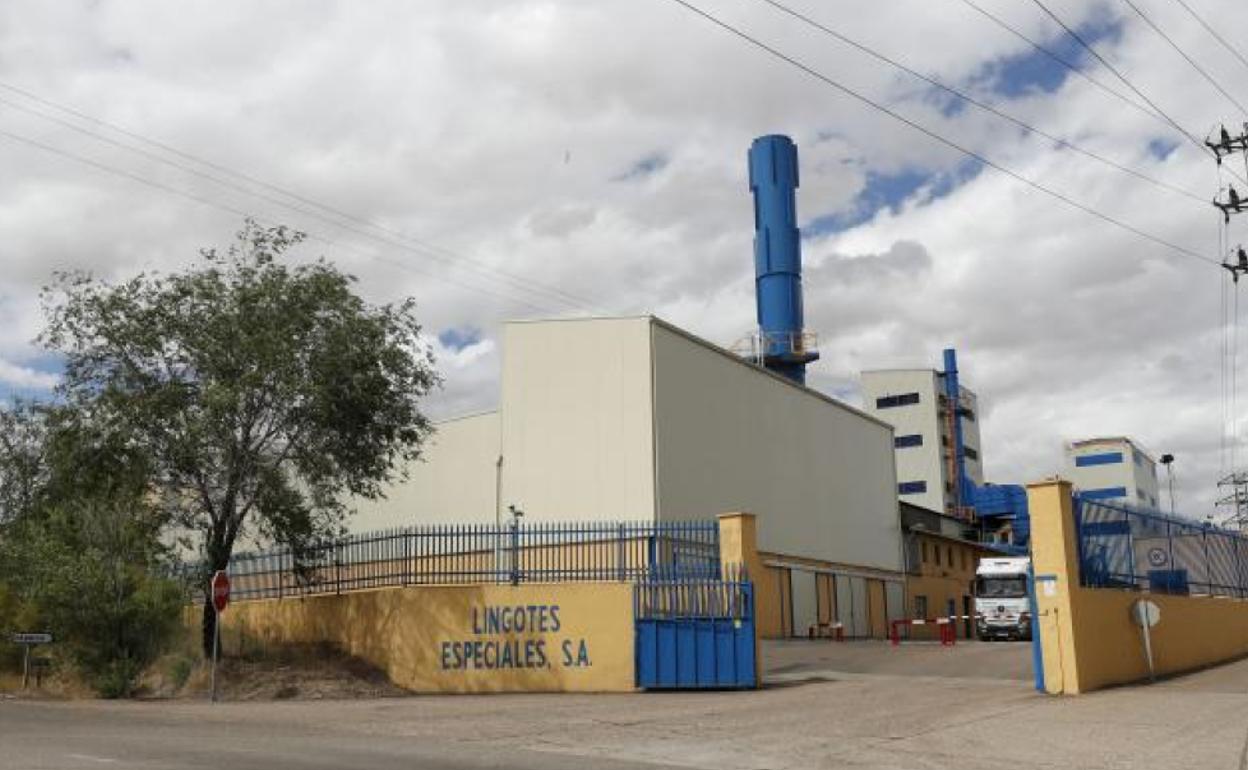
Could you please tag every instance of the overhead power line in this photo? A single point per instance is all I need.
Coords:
(248, 214)
(1203, 72)
(1213, 32)
(1114, 70)
(743, 35)
(981, 104)
(408, 243)
(1074, 68)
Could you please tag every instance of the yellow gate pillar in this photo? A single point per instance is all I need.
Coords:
(1055, 561)
(738, 547)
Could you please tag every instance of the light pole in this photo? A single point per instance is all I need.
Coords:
(1168, 461)
(516, 515)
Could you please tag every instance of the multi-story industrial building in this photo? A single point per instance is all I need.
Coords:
(913, 401)
(1113, 468)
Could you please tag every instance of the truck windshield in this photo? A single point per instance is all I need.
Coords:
(1012, 587)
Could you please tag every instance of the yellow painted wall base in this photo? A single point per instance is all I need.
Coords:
(1088, 638)
(1194, 632)
(462, 639)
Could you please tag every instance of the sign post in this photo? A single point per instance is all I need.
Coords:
(27, 641)
(220, 600)
(1146, 614)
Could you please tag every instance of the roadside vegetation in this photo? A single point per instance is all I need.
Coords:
(243, 399)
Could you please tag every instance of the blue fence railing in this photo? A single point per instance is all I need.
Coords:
(458, 554)
(1124, 547)
(725, 595)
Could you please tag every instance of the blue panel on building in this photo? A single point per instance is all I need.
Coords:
(1108, 493)
(1103, 528)
(1168, 581)
(1104, 458)
(912, 487)
(914, 439)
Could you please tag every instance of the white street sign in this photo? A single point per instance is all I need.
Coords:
(32, 638)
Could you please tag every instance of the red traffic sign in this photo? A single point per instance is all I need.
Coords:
(220, 590)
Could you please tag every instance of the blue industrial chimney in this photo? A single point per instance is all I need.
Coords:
(990, 502)
(783, 344)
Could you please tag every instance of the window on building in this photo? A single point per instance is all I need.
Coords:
(1107, 493)
(944, 440)
(912, 487)
(968, 415)
(949, 487)
(949, 556)
(965, 559)
(920, 607)
(970, 452)
(914, 439)
(1101, 458)
(936, 554)
(925, 552)
(903, 399)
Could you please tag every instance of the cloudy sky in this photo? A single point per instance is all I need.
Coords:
(527, 159)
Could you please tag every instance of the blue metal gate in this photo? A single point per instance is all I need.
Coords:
(695, 634)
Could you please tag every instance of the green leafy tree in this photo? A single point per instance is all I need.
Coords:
(83, 556)
(94, 574)
(23, 466)
(265, 395)
(23, 476)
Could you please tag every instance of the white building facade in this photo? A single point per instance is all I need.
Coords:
(913, 401)
(635, 419)
(1113, 468)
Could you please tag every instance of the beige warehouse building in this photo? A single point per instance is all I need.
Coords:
(635, 419)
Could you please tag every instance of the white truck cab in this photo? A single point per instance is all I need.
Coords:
(1002, 604)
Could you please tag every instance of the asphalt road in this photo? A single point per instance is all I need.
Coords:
(72, 736)
(861, 706)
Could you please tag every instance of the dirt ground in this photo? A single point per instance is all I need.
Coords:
(300, 673)
(294, 672)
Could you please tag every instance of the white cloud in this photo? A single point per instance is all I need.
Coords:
(14, 376)
(499, 130)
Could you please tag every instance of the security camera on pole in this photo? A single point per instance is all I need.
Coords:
(220, 600)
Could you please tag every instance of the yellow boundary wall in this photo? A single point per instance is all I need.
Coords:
(452, 638)
(570, 636)
(1087, 636)
(462, 639)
